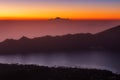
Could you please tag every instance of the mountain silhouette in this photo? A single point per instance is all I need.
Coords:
(34, 72)
(109, 39)
(59, 19)
(111, 32)
(24, 38)
(105, 40)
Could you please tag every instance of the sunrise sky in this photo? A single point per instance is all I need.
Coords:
(46, 9)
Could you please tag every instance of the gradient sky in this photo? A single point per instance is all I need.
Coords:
(73, 9)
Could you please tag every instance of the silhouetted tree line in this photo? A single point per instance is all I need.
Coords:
(33, 72)
(106, 40)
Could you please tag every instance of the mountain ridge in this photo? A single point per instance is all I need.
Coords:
(105, 40)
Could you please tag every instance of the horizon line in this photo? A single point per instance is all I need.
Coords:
(17, 19)
(52, 18)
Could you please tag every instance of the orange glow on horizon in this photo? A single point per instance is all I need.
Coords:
(14, 18)
(35, 11)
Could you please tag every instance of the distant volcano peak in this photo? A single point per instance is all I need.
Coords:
(59, 18)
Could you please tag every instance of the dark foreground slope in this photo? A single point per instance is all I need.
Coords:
(32, 72)
(109, 39)
(105, 40)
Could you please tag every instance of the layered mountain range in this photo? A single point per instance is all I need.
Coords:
(105, 40)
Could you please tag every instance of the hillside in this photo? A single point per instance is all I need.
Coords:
(105, 40)
(33, 72)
